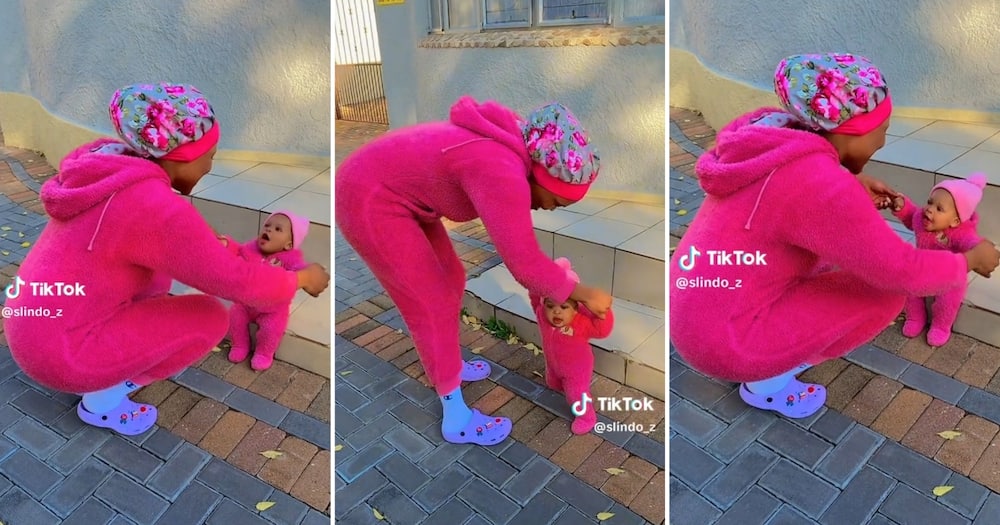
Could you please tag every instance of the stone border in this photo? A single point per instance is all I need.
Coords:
(560, 36)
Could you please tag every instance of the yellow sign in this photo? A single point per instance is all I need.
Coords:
(389, 2)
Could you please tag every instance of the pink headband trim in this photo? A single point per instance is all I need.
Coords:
(190, 151)
(865, 123)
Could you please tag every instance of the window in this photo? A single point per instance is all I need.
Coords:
(476, 15)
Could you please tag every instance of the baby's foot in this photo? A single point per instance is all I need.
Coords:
(938, 336)
(261, 362)
(238, 353)
(585, 423)
(912, 328)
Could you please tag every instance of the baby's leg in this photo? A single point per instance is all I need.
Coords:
(239, 332)
(916, 316)
(551, 379)
(944, 311)
(576, 387)
(271, 328)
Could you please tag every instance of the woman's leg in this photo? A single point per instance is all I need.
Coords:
(397, 249)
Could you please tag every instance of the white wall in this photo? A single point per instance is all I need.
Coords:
(263, 64)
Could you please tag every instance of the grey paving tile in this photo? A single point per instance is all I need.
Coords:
(989, 512)
(204, 383)
(345, 395)
(128, 458)
(357, 491)
(732, 407)
(500, 447)
(521, 385)
(9, 416)
(69, 424)
(742, 473)
(694, 423)
(308, 428)
(286, 510)
(879, 519)
(487, 466)
(229, 513)
(541, 508)
(17, 507)
(366, 360)
(905, 505)
(366, 434)
(79, 448)
(623, 516)
(691, 464)
(134, 501)
(689, 508)
(966, 498)
(315, 518)
(698, 389)
(860, 499)
(488, 502)
(193, 505)
(518, 455)
(362, 461)
(787, 515)
(178, 471)
(554, 402)
(571, 516)
(677, 367)
(344, 422)
(417, 418)
(442, 487)
(31, 435)
(879, 361)
(39, 406)
(909, 467)
(396, 506)
(934, 384)
(77, 487)
(30, 474)
(360, 515)
(454, 511)
(578, 494)
(786, 480)
(357, 378)
(982, 404)
(92, 512)
(832, 426)
(531, 480)
(233, 483)
(648, 449)
(847, 458)
(795, 443)
(386, 379)
(403, 472)
(162, 443)
(253, 405)
(441, 457)
(756, 506)
(807, 422)
(409, 443)
(379, 406)
(740, 434)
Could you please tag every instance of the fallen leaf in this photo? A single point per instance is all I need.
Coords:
(4, 252)
(25, 244)
(20, 235)
(601, 516)
(537, 373)
(399, 330)
(949, 434)
(347, 372)
(681, 177)
(477, 350)
(378, 515)
(338, 448)
(264, 505)
(512, 340)
(271, 454)
(614, 471)
(941, 490)
(677, 201)
(216, 349)
(531, 346)
(5, 228)
(682, 212)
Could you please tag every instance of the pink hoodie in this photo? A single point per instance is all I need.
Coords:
(118, 229)
(782, 193)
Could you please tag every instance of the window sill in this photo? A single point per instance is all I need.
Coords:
(561, 36)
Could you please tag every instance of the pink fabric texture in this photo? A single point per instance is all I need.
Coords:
(300, 227)
(967, 193)
(119, 230)
(782, 193)
(391, 194)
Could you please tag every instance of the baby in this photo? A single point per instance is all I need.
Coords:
(569, 360)
(278, 245)
(947, 222)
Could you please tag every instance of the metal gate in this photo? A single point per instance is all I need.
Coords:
(358, 66)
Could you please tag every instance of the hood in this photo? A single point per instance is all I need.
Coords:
(493, 122)
(745, 153)
(87, 178)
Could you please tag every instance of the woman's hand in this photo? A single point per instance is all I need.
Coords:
(314, 279)
(223, 240)
(984, 258)
(882, 194)
(596, 300)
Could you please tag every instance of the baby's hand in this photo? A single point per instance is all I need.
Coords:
(223, 240)
(898, 202)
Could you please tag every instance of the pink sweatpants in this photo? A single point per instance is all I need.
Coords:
(417, 265)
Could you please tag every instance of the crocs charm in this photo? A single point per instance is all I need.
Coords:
(567, 330)
(790, 400)
(129, 384)
(479, 365)
(447, 398)
(802, 395)
(479, 431)
(135, 413)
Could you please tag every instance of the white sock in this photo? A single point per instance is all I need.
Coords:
(104, 400)
(775, 384)
(456, 413)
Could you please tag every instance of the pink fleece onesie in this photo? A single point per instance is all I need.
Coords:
(781, 195)
(569, 358)
(960, 239)
(118, 229)
(271, 320)
(391, 195)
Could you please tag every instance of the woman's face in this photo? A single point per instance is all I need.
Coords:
(856, 151)
(543, 199)
(184, 176)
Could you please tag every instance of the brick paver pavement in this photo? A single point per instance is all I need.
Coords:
(200, 464)
(872, 455)
(394, 460)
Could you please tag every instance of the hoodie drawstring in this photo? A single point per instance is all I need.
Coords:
(90, 247)
(759, 195)
(449, 148)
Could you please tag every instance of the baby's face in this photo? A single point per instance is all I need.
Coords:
(559, 314)
(940, 212)
(276, 235)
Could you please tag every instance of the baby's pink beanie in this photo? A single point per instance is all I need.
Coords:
(967, 193)
(564, 263)
(300, 227)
